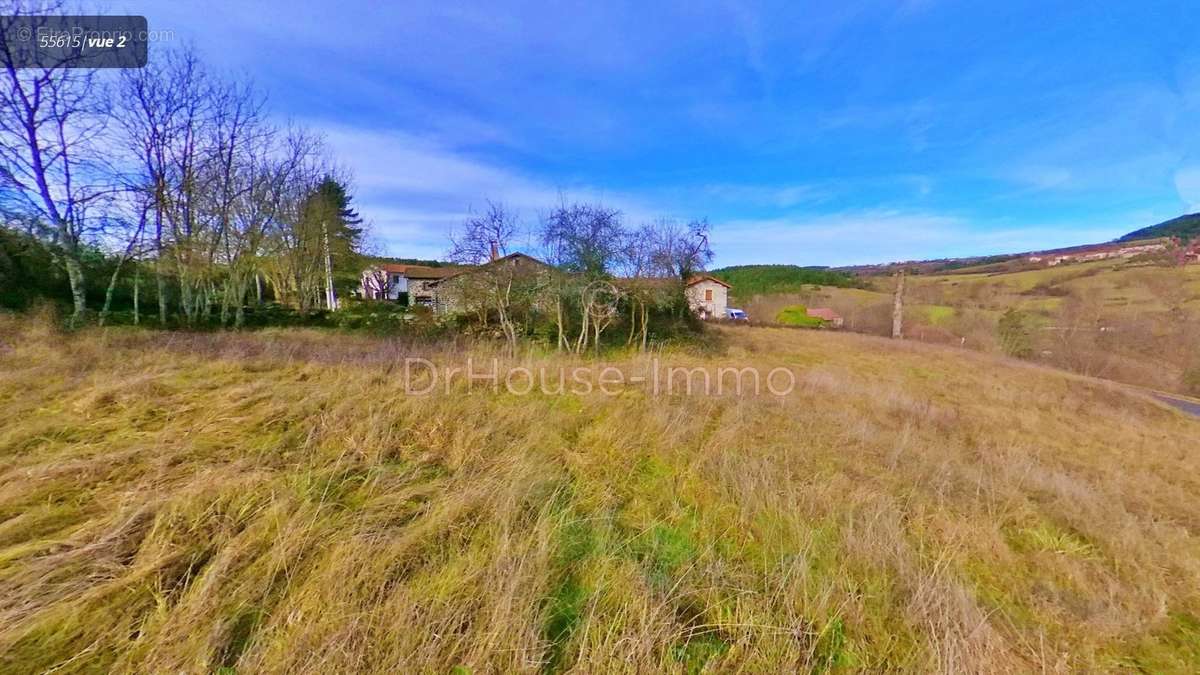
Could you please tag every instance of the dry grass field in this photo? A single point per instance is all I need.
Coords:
(274, 502)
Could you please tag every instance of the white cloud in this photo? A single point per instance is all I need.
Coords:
(1187, 184)
(877, 236)
(438, 185)
(414, 191)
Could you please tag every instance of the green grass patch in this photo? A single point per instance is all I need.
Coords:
(1175, 648)
(831, 652)
(797, 315)
(938, 314)
(240, 635)
(564, 608)
(665, 549)
(695, 653)
(1047, 537)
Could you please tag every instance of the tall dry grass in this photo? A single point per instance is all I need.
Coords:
(275, 503)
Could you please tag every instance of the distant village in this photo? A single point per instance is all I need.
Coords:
(439, 288)
(1185, 253)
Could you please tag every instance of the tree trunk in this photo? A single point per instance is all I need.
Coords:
(137, 283)
(563, 345)
(898, 308)
(585, 305)
(330, 298)
(78, 289)
(108, 292)
(160, 281)
(645, 326)
(161, 287)
(185, 297)
(581, 341)
(632, 322)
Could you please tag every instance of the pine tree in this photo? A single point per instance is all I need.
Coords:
(339, 229)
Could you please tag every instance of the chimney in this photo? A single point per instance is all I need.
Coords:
(495, 250)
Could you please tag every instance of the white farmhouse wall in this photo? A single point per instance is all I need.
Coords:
(698, 293)
(397, 284)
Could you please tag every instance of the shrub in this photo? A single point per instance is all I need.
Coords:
(1016, 338)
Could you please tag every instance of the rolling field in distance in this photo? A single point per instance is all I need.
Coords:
(1125, 320)
(275, 502)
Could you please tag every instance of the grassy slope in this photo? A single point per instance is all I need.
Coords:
(274, 502)
(767, 307)
(1116, 285)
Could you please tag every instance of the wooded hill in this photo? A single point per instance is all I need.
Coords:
(751, 280)
(1184, 227)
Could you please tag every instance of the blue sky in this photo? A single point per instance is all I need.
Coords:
(807, 132)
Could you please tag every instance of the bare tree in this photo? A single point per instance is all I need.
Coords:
(154, 101)
(295, 246)
(51, 166)
(681, 250)
(646, 283)
(599, 300)
(132, 249)
(236, 132)
(484, 236)
(585, 241)
(261, 178)
(506, 285)
(186, 186)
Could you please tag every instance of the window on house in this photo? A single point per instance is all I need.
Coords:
(708, 295)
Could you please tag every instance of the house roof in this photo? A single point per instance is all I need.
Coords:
(824, 313)
(515, 258)
(704, 277)
(419, 271)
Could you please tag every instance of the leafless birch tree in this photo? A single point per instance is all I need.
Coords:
(52, 161)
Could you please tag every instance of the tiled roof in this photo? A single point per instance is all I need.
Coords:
(824, 313)
(419, 271)
(704, 277)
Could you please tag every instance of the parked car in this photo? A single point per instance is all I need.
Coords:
(736, 315)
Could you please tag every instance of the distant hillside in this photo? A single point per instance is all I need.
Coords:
(1184, 227)
(385, 260)
(936, 266)
(751, 280)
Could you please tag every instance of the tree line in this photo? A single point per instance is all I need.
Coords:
(178, 172)
(599, 272)
(172, 191)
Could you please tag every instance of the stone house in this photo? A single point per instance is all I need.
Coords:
(707, 296)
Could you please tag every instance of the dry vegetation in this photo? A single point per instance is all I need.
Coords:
(1132, 321)
(275, 503)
